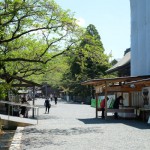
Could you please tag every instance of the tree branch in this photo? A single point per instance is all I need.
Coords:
(32, 30)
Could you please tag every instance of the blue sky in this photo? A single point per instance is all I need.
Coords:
(110, 17)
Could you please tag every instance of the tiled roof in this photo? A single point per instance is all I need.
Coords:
(123, 62)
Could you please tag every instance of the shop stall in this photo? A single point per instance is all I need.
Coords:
(131, 88)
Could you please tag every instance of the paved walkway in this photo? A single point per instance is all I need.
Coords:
(74, 127)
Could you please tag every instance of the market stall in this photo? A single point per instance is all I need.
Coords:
(131, 86)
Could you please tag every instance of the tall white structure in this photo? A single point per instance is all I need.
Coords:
(140, 37)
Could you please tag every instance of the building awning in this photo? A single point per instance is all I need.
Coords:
(120, 84)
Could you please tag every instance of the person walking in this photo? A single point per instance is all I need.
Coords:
(47, 105)
(51, 97)
(55, 98)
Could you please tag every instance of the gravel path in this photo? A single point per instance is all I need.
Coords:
(74, 127)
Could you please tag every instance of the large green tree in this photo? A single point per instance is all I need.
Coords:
(88, 61)
(94, 62)
(32, 34)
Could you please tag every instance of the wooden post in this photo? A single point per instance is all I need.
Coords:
(105, 100)
(130, 102)
(96, 105)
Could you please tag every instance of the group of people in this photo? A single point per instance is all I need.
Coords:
(115, 106)
(47, 103)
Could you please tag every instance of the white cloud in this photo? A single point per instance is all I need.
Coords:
(81, 22)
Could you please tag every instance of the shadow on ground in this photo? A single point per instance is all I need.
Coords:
(133, 123)
(49, 137)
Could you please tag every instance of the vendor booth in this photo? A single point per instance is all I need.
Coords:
(135, 91)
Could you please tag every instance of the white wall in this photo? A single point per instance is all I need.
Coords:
(140, 37)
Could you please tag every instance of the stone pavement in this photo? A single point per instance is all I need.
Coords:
(71, 126)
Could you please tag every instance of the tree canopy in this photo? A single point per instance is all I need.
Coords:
(87, 61)
(32, 34)
(42, 42)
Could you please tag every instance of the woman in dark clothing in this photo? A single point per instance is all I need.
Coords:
(55, 98)
(116, 105)
(47, 105)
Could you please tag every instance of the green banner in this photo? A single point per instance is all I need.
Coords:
(93, 103)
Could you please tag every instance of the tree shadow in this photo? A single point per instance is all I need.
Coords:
(110, 120)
